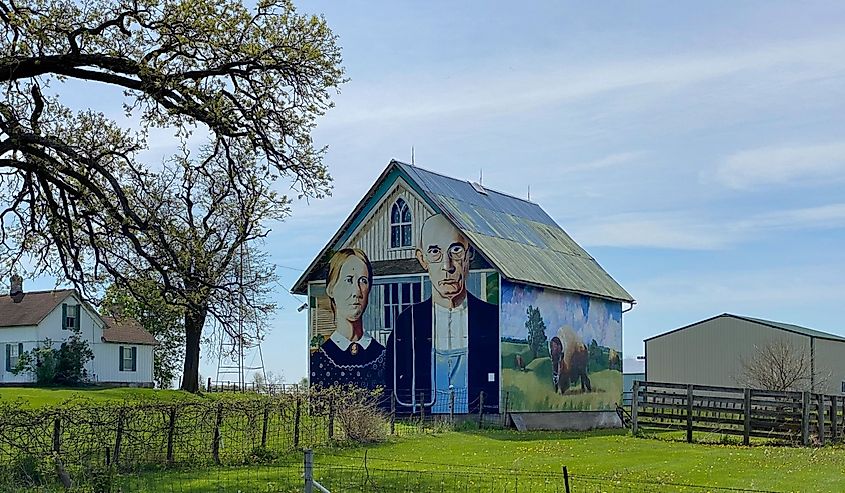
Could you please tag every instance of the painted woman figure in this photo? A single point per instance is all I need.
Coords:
(350, 355)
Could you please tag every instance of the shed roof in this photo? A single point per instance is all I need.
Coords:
(126, 330)
(30, 308)
(514, 234)
(796, 329)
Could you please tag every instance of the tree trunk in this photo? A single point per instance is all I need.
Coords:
(194, 321)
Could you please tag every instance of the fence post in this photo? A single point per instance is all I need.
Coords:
(309, 471)
(820, 412)
(296, 420)
(264, 422)
(208, 388)
(805, 418)
(119, 437)
(392, 413)
(331, 418)
(480, 409)
(834, 431)
(452, 404)
(746, 434)
(57, 435)
(171, 429)
(507, 404)
(215, 445)
(635, 400)
(689, 413)
(565, 479)
(422, 409)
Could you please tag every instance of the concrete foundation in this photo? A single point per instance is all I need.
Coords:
(569, 420)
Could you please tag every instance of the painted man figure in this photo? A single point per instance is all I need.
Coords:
(449, 342)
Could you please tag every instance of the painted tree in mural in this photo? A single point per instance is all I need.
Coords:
(80, 200)
(536, 330)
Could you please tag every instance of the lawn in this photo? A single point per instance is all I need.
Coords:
(46, 396)
(626, 463)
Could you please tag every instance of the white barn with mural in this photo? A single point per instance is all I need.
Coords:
(456, 298)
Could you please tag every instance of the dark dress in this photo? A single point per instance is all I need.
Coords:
(331, 366)
(482, 345)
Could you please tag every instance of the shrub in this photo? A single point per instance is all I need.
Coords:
(63, 366)
(358, 413)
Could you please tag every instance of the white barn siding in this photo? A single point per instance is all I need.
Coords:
(711, 352)
(373, 236)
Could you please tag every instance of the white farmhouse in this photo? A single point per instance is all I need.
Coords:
(123, 350)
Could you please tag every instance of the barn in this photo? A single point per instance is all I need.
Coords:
(456, 298)
(732, 350)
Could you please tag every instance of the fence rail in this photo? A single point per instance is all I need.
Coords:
(787, 416)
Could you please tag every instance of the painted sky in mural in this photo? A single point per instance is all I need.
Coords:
(592, 318)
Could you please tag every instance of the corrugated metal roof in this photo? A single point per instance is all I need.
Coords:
(775, 325)
(794, 328)
(517, 236)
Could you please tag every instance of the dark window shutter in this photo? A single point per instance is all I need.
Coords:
(134, 359)
(64, 316)
(120, 356)
(20, 350)
(8, 357)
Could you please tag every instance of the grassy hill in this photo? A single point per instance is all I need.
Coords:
(45, 396)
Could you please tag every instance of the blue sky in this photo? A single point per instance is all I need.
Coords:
(695, 149)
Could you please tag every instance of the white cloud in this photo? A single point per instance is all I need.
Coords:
(784, 165)
(540, 84)
(691, 230)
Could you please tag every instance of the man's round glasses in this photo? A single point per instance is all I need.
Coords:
(457, 253)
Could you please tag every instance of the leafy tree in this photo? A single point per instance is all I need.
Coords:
(536, 330)
(165, 321)
(80, 201)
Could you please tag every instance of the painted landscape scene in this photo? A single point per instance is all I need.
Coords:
(563, 352)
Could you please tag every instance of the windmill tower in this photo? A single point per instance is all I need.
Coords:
(239, 354)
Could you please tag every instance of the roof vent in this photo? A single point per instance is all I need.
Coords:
(478, 188)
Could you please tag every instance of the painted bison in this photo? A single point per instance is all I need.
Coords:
(555, 352)
(572, 367)
(614, 361)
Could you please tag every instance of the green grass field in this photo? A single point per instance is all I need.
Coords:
(46, 396)
(531, 389)
(626, 464)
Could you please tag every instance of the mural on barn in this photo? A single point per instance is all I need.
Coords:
(422, 336)
(560, 351)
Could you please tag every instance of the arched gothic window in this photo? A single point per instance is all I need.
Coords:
(400, 225)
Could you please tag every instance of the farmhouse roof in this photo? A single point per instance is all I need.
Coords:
(126, 330)
(514, 235)
(795, 329)
(30, 308)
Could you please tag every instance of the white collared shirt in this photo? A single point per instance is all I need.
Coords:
(343, 343)
(450, 327)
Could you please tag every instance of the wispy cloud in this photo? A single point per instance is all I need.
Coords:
(783, 165)
(543, 84)
(692, 230)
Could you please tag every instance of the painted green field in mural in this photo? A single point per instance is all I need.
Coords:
(530, 389)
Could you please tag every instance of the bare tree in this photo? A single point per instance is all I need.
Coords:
(781, 366)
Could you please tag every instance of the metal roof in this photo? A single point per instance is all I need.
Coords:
(515, 235)
(797, 329)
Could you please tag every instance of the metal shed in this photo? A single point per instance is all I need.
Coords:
(712, 351)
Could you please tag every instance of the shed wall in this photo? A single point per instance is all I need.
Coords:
(711, 352)
(830, 366)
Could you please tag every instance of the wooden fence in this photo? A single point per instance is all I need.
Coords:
(799, 417)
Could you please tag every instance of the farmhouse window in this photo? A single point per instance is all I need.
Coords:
(397, 297)
(70, 317)
(13, 354)
(128, 358)
(400, 225)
